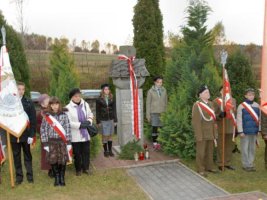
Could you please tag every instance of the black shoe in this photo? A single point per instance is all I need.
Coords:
(55, 169)
(30, 181)
(50, 173)
(106, 153)
(213, 171)
(229, 167)
(18, 182)
(111, 154)
(220, 168)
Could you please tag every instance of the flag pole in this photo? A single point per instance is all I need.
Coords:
(263, 92)
(10, 158)
(223, 61)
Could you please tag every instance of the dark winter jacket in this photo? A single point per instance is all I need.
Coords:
(245, 123)
(105, 111)
(30, 131)
(263, 124)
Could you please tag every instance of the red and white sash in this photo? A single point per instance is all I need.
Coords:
(136, 111)
(207, 109)
(60, 131)
(251, 111)
(2, 153)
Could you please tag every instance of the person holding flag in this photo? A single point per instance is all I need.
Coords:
(25, 140)
(229, 127)
(56, 138)
(248, 126)
(203, 122)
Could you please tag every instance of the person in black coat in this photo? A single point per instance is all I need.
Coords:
(106, 118)
(25, 140)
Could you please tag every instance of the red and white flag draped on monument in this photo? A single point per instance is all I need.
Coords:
(135, 102)
(12, 115)
(228, 101)
(264, 66)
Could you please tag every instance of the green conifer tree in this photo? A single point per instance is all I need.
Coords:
(63, 74)
(148, 38)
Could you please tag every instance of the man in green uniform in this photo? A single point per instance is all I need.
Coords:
(229, 129)
(203, 121)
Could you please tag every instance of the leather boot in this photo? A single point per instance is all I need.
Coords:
(55, 169)
(110, 149)
(62, 175)
(105, 146)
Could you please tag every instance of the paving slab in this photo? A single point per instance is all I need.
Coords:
(174, 181)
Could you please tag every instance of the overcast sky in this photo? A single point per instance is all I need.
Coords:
(111, 20)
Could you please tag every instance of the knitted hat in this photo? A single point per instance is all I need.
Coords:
(104, 85)
(73, 92)
(249, 90)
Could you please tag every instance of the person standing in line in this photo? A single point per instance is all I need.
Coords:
(248, 126)
(43, 101)
(25, 140)
(56, 139)
(203, 122)
(156, 104)
(229, 128)
(106, 118)
(81, 118)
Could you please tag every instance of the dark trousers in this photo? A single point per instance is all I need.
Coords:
(265, 157)
(16, 148)
(81, 151)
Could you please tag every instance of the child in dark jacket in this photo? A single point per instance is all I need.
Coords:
(248, 125)
(56, 138)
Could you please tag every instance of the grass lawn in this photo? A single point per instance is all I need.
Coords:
(240, 181)
(105, 185)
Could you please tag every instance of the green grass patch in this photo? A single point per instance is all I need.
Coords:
(240, 181)
(112, 184)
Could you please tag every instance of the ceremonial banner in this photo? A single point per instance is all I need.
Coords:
(136, 116)
(12, 115)
(2, 152)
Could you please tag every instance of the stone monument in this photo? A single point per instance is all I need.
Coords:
(120, 76)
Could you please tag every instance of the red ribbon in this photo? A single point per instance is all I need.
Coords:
(134, 95)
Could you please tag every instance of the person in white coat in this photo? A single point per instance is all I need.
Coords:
(81, 118)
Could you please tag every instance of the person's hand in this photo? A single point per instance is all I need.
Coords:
(90, 120)
(85, 124)
(69, 147)
(4, 146)
(148, 119)
(242, 135)
(99, 125)
(46, 148)
(264, 137)
(222, 114)
(115, 124)
(30, 140)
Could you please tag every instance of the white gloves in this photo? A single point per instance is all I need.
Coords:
(30, 140)
(46, 148)
(4, 146)
(69, 147)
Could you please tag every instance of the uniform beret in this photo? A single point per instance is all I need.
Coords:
(73, 92)
(202, 89)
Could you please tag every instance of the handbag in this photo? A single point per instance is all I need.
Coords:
(92, 130)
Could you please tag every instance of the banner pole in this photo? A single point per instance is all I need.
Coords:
(10, 158)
